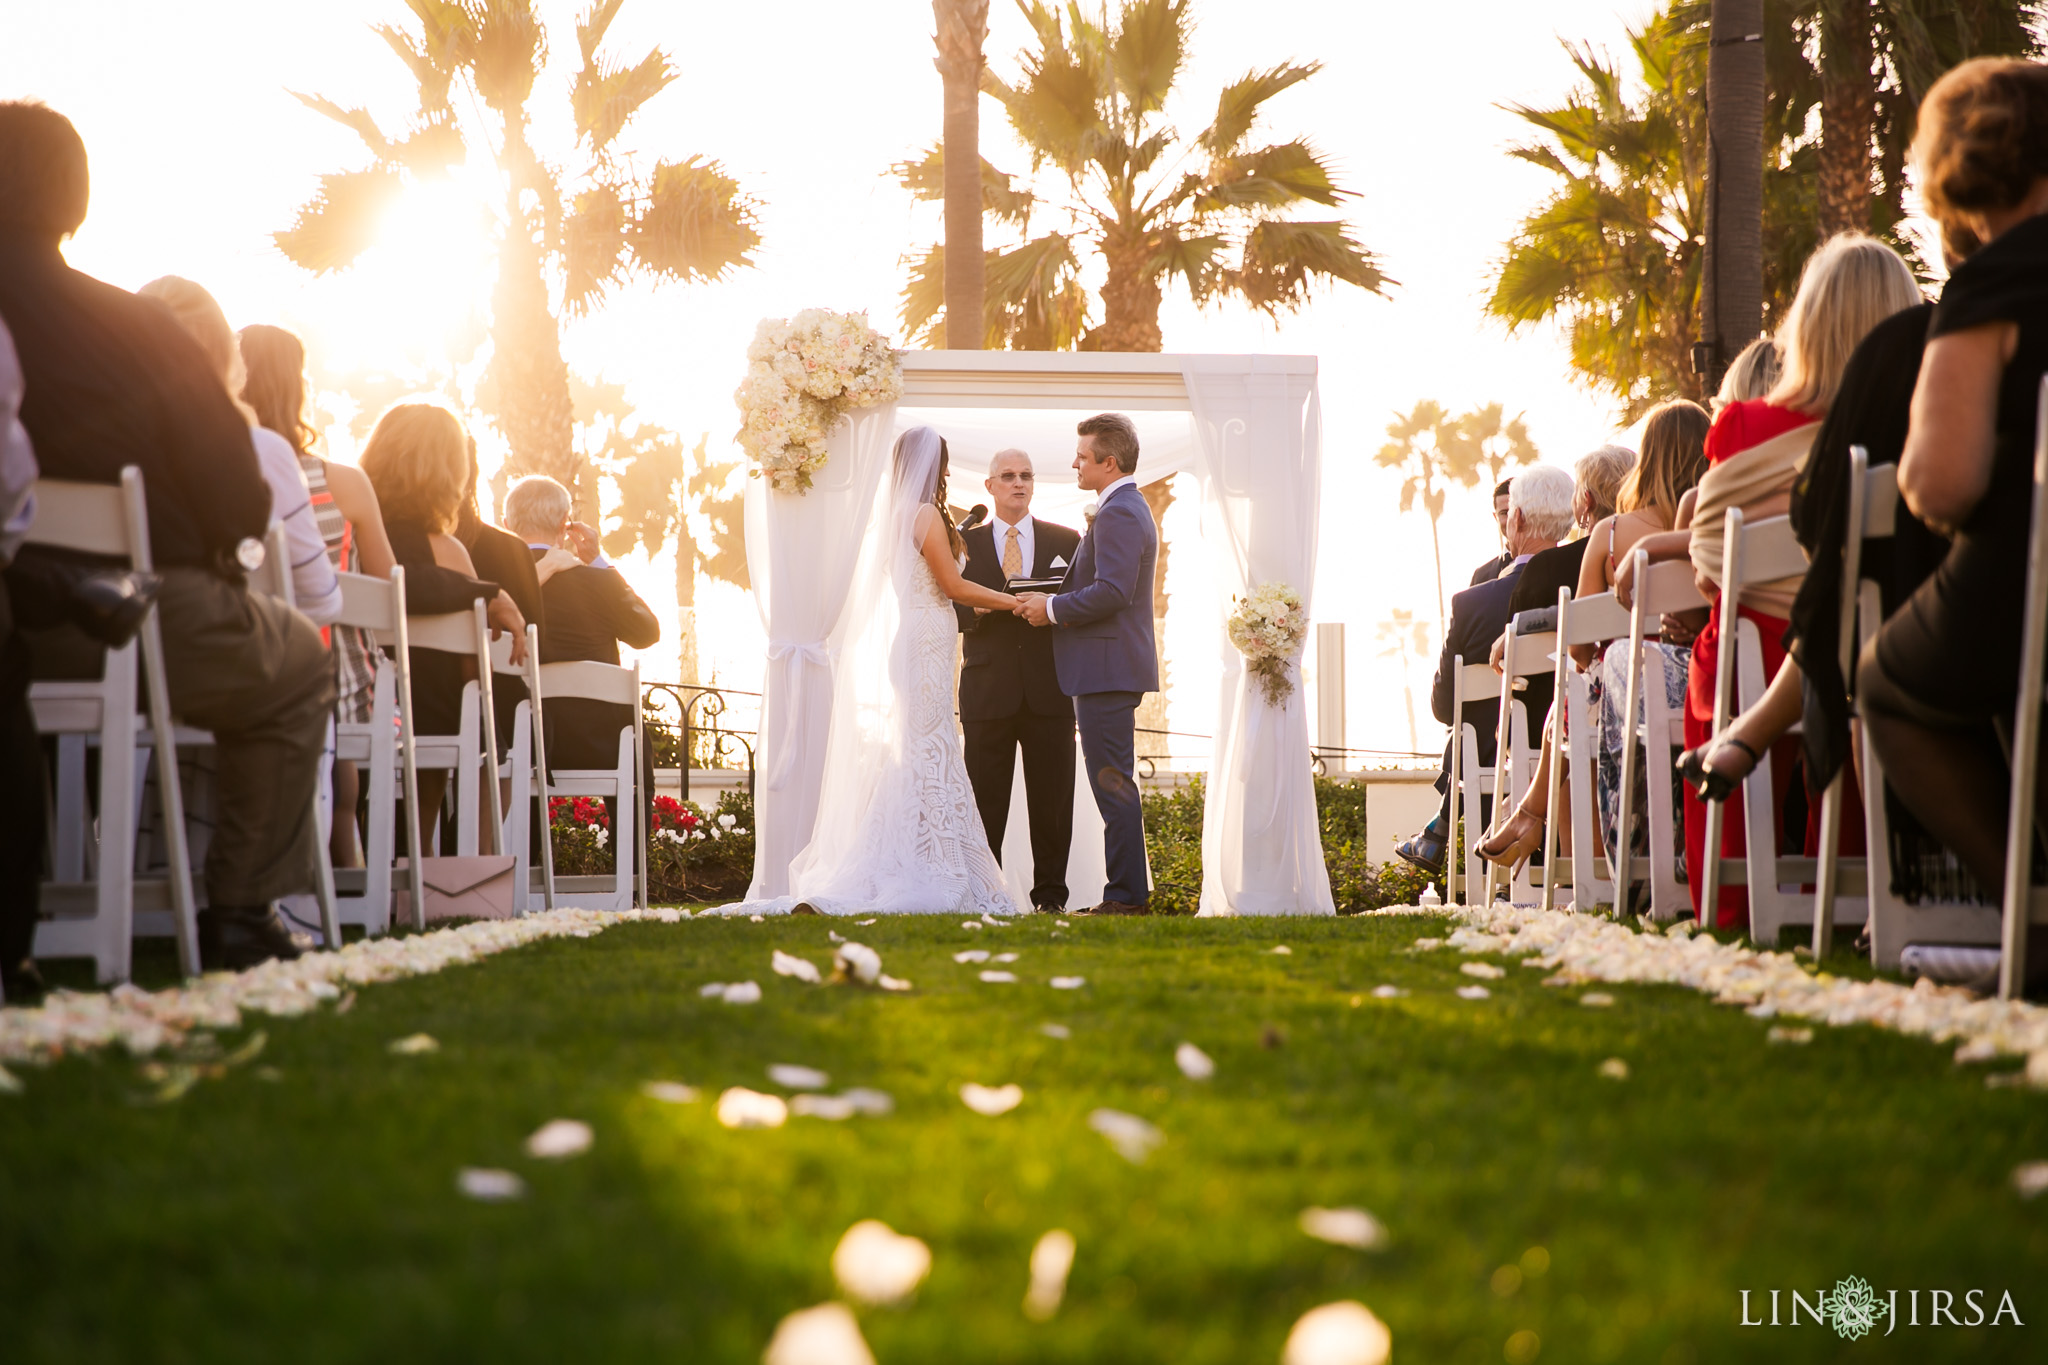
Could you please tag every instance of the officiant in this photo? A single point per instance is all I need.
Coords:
(1010, 698)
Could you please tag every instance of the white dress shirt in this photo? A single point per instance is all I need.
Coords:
(1103, 497)
(1026, 545)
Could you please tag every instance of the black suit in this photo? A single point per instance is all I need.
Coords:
(1010, 698)
(1491, 569)
(589, 611)
(1478, 616)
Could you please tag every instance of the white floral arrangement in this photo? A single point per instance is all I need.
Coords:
(1269, 628)
(804, 374)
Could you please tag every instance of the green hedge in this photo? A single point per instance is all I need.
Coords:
(1173, 842)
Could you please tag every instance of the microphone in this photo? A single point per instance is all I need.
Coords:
(976, 515)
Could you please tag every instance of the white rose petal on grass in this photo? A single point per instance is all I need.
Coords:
(1342, 1333)
(1282, 950)
(1063, 924)
(743, 993)
(803, 969)
(1344, 1228)
(558, 1138)
(1387, 992)
(876, 1264)
(1004, 957)
(831, 1107)
(10, 1084)
(2037, 1068)
(490, 1186)
(834, 936)
(991, 1100)
(1051, 1260)
(858, 961)
(1056, 1030)
(2030, 1178)
(966, 955)
(711, 989)
(670, 1092)
(1796, 1037)
(971, 924)
(825, 1335)
(999, 978)
(1485, 971)
(1133, 1138)
(1977, 1050)
(875, 1103)
(1068, 983)
(863, 923)
(1473, 992)
(892, 983)
(1193, 1062)
(758, 919)
(414, 1045)
(1614, 1069)
(1596, 1000)
(740, 1107)
(798, 1077)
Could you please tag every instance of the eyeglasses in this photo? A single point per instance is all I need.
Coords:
(1016, 478)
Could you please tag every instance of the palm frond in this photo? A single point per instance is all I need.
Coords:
(696, 223)
(1055, 108)
(507, 50)
(1033, 299)
(603, 100)
(1237, 108)
(1284, 260)
(341, 220)
(429, 72)
(591, 28)
(1269, 178)
(1001, 198)
(357, 121)
(432, 148)
(593, 246)
(1198, 260)
(1146, 54)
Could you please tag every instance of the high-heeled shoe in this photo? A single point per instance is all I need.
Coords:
(1711, 783)
(1511, 843)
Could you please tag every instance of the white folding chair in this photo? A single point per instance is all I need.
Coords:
(1518, 754)
(626, 887)
(96, 917)
(529, 763)
(377, 748)
(471, 753)
(1580, 621)
(2025, 904)
(1469, 780)
(1763, 553)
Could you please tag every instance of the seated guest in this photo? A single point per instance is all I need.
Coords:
(315, 591)
(418, 461)
(112, 380)
(1539, 514)
(1496, 566)
(21, 754)
(591, 611)
(351, 527)
(502, 558)
(1597, 478)
(1942, 675)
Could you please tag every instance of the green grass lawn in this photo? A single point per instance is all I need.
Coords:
(310, 1213)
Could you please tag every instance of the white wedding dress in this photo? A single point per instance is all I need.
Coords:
(898, 831)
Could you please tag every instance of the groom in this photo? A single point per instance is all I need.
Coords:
(1103, 649)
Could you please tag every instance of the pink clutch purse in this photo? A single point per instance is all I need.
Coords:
(458, 888)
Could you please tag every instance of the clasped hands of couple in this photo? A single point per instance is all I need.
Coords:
(1030, 606)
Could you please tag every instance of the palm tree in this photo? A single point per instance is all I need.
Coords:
(1402, 636)
(1432, 454)
(580, 233)
(666, 495)
(1731, 287)
(962, 29)
(1494, 441)
(1154, 203)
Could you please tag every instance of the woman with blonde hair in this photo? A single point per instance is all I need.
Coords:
(315, 591)
(1754, 454)
(417, 459)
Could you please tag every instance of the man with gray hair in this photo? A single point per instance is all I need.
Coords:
(1539, 516)
(587, 610)
(1010, 698)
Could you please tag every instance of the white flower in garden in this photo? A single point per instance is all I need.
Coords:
(1344, 1227)
(726, 822)
(991, 1100)
(875, 1264)
(740, 1107)
(1342, 1333)
(825, 1335)
(559, 1138)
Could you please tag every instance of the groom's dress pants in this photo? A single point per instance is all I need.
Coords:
(1048, 745)
(1108, 723)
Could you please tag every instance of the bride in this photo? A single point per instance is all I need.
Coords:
(898, 831)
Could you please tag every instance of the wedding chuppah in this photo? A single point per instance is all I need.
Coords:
(1254, 444)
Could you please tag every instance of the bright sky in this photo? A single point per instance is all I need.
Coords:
(199, 153)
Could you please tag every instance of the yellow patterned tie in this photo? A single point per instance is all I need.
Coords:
(1013, 556)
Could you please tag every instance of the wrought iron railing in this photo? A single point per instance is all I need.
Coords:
(688, 720)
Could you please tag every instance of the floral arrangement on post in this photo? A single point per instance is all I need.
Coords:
(1269, 628)
(804, 374)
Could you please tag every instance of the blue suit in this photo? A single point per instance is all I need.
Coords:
(1104, 654)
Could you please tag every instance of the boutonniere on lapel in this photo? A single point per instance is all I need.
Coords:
(1088, 512)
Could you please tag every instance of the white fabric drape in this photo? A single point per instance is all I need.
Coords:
(1259, 438)
(801, 554)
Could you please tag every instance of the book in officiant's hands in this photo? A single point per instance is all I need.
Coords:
(1044, 585)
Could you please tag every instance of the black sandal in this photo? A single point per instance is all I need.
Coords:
(1710, 783)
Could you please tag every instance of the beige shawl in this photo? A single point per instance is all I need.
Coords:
(1739, 481)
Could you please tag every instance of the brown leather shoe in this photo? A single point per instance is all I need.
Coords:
(1121, 908)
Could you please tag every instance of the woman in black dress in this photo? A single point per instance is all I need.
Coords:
(1944, 670)
(418, 461)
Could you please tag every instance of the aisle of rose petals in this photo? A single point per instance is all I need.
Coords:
(144, 1021)
(1581, 948)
